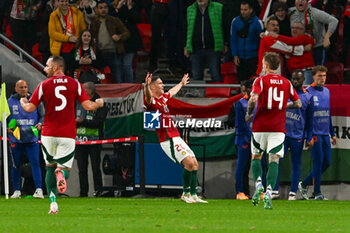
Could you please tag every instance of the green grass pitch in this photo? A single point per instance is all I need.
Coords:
(172, 215)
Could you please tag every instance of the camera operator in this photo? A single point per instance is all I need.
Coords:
(245, 40)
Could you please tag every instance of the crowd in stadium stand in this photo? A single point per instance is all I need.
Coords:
(230, 33)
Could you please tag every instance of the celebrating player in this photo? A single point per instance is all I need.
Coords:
(269, 125)
(59, 130)
(169, 138)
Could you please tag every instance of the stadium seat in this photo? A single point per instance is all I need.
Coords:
(146, 34)
(229, 73)
(36, 53)
(217, 92)
(335, 72)
(9, 35)
(108, 75)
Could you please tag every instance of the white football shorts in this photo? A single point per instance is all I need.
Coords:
(271, 143)
(176, 149)
(58, 150)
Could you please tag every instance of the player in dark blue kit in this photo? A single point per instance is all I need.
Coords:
(27, 144)
(299, 127)
(242, 141)
(322, 128)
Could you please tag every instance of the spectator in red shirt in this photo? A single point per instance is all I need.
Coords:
(270, 44)
(305, 61)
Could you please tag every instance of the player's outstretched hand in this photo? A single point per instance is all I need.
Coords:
(185, 80)
(148, 79)
(99, 102)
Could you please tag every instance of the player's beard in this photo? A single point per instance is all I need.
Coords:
(49, 73)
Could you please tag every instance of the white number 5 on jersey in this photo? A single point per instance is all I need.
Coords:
(61, 97)
(273, 96)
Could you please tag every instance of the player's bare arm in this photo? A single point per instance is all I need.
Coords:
(28, 107)
(147, 89)
(89, 105)
(295, 104)
(251, 105)
(185, 80)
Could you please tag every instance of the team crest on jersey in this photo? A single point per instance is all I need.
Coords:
(183, 153)
(151, 120)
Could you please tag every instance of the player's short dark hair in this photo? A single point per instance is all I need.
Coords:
(269, 19)
(248, 83)
(154, 78)
(59, 61)
(298, 71)
(272, 59)
(316, 69)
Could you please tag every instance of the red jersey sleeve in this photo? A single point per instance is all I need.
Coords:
(257, 88)
(37, 95)
(293, 94)
(298, 40)
(82, 95)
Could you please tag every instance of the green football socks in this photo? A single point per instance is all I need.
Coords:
(186, 176)
(256, 169)
(193, 188)
(272, 173)
(50, 181)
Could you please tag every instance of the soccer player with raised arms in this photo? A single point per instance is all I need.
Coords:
(59, 92)
(169, 138)
(271, 92)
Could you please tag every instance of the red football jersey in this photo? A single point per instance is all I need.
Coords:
(168, 130)
(59, 94)
(274, 92)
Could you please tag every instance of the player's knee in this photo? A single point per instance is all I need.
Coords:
(195, 164)
(188, 163)
(274, 158)
(257, 156)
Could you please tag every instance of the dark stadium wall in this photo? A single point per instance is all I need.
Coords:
(13, 70)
